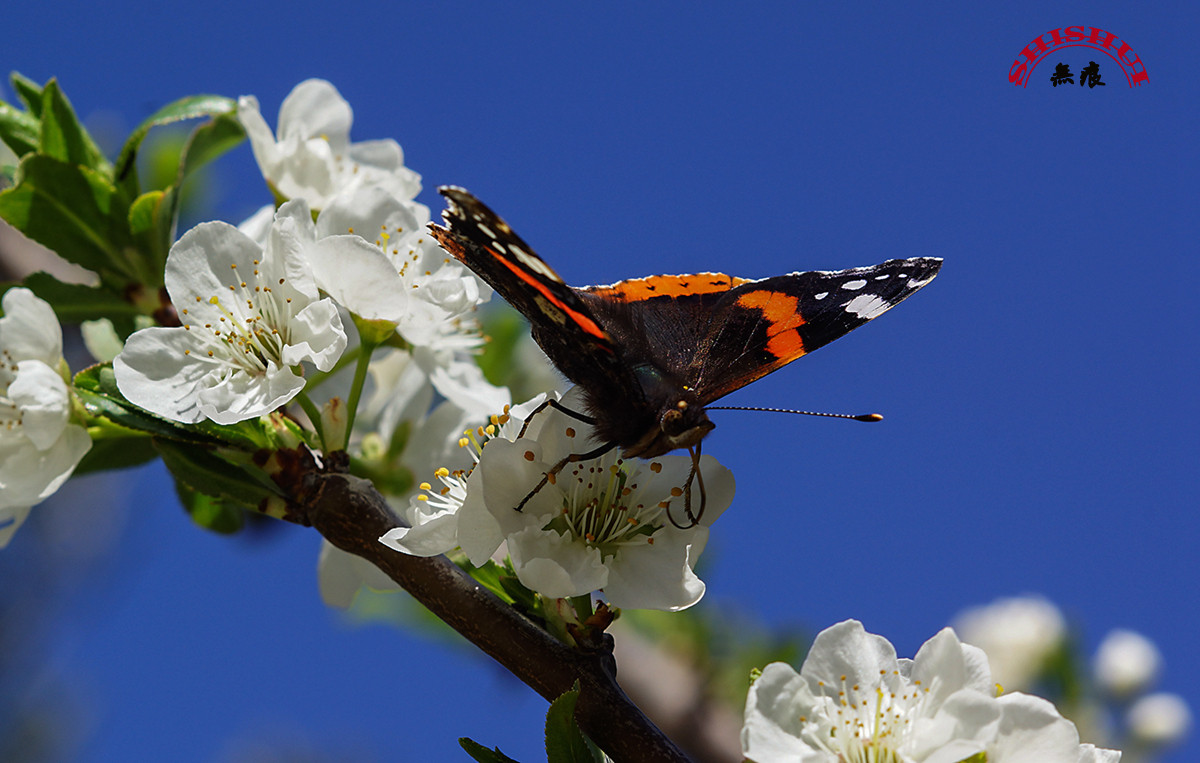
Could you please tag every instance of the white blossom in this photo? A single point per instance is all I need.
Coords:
(855, 701)
(250, 317)
(1126, 663)
(310, 156)
(1018, 634)
(399, 407)
(602, 524)
(39, 446)
(1159, 720)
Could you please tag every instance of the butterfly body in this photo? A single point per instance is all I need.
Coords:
(650, 353)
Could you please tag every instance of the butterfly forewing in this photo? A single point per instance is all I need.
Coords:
(562, 323)
(761, 326)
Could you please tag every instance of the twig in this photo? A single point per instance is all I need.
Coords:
(351, 515)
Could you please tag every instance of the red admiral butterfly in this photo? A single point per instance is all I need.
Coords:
(650, 353)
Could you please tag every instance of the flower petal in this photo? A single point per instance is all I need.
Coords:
(555, 566)
(657, 576)
(29, 329)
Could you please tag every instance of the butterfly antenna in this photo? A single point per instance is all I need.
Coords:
(855, 417)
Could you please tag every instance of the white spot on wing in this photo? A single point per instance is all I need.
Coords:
(537, 266)
(487, 231)
(867, 306)
(918, 283)
(822, 295)
(854, 285)
(882, 277)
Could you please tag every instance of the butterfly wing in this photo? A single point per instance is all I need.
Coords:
(761, 326)
(562, 323)
(716, 333)
(661, 320)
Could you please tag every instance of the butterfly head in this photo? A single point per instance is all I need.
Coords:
(681, 421)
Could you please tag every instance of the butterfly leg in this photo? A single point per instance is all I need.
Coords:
(698, 476)
(552, 403)
(550, 475)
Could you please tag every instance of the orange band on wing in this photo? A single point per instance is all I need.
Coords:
(638, 289)
(580, 320)
(780, 310)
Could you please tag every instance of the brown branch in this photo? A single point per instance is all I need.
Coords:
(351, 515)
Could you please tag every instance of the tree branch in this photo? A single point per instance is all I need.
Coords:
(351, 515)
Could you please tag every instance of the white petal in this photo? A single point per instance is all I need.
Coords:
(203, 263)
(658, 575)
(359, 277)
(1089, 753)
(101, 339)
(262, 142)
(509, 471)
(433, 532)
(315, 109)
(341, 576)
(30, 475)
(479, 532)
(242, 396)
(44, 400)
(258, 225)
(554, 565)
(317, 336)
(941, 658)
(463, 383)
(846, 649)
(154, 372)
(777, 700)
(29, 329)
(1032, 731)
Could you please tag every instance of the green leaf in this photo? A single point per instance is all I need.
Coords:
(73, 211)
(565, 743)
(74, 303)
(96, 387)
(191, 107)
(199, 469)
(489, 576)
(64, 138)
(19, 129)
(152, 223)
(207, 142)
(144, 212)
(29, 92)
(482, 754)
(116, 453)
(211, 513)
(210, 140)
(129, 416)
(514, 589)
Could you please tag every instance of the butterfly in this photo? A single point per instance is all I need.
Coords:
(651, 353)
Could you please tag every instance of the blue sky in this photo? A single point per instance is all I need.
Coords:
(1039, 396)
